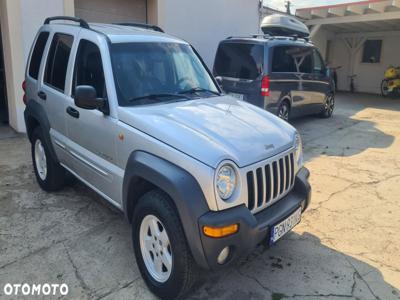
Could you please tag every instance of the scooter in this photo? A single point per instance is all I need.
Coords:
(391, 82)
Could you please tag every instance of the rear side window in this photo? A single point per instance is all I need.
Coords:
(239, 60)
(89, 68)
(37, 54)
(319, 66)
(292, 59)
(57, 61)
(282, 61)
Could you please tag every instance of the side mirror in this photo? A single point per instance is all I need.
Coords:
(328, 72)
(85, 97)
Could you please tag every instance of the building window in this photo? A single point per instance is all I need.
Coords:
(372, 51)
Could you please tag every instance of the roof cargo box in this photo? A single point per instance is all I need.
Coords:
(284, 26)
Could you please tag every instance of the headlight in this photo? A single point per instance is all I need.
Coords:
(298, 154)
(226, 181)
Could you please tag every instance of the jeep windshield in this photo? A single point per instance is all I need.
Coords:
(153, 72)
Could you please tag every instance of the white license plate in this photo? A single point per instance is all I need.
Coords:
(285, 226)
(238, 96)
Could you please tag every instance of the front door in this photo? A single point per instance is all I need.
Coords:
(321, 84)
(92, 133)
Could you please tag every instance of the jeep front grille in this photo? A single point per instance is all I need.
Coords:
(268, 183)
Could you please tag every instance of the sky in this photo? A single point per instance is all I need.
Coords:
(280, 4)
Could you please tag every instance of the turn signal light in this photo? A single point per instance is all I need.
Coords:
(218, 232)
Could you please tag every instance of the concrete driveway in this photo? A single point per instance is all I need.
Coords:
(347, 246)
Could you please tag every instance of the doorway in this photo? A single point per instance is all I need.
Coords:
(3, 90)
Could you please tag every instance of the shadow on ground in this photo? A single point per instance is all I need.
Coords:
(351, 130)
(297, 267)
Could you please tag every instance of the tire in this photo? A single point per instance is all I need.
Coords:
(176, 279)
(284, 111)
(384, 88)
(329, 106)
(50, 175)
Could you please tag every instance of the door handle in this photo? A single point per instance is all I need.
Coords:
(72, 112)
(42, 95)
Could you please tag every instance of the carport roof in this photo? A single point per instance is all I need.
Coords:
(362, 16)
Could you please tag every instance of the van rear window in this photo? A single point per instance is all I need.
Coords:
(239, 60)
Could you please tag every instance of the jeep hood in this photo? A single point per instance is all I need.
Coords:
(213, 129)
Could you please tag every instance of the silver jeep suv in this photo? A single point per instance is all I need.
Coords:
(136, 115)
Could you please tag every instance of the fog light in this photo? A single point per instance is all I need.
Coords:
(223, 255)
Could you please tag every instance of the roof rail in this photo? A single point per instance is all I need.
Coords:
(81, 22)
(249, 36)
(141, 25)
(294, 37)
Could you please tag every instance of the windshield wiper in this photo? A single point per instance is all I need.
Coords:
(199, 89)
(158, 96)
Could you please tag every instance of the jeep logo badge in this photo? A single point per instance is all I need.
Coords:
(269, 146)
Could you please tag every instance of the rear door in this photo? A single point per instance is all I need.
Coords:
(51, 89)
(240, 65)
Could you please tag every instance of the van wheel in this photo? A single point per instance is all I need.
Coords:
(160, 246)
(329, 106)
(284, 111)
(49, 174)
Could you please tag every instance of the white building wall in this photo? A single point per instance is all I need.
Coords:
(320, 40)
(369, 76)
(20, 20)
(205, 23)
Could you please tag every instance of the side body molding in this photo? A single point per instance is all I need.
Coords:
(182, 188)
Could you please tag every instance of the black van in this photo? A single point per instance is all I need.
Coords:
(284, 75)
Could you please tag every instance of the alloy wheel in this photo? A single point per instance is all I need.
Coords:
(329, 105)
(155, 248)
(40, 160)
(283, 112)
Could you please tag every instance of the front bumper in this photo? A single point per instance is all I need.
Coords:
(253, 229)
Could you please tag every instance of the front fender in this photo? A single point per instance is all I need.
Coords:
(182, 188)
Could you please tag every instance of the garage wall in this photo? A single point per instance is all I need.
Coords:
(205, 23)
(108, 11)
(320, 40)
(369, 76)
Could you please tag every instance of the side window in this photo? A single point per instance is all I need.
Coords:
(57, 60)
(282, 61)
(319, 66)
(89, 68)
(305, 63)
(37, 54)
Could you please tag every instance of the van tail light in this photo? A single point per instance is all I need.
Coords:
(265, 86)
(24, 89)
